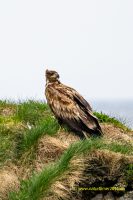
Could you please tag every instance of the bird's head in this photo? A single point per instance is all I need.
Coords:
(51, 76)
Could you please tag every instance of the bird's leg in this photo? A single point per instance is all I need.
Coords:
(59, 129)
(85, 135)
(60, 121)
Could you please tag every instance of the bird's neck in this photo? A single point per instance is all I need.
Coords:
(52, 82)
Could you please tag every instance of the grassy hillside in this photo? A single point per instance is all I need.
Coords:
(41, 160)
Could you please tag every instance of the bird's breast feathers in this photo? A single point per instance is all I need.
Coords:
(60, 101)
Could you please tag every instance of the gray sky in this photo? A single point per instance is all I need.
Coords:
(89, 42)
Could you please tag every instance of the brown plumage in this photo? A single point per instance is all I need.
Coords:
(69, 107)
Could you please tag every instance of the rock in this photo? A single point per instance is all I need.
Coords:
(109, 196)
(128, 196)
(98, 197)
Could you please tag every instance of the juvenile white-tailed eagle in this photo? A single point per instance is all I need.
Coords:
(69, 107)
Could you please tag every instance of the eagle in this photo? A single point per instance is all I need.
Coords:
(70, 108)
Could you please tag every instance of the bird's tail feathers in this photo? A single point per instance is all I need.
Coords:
(91, 125)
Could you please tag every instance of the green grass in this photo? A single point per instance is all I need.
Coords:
(31, 111)
(5, 145)
(30, 137)
(40, 183)
(14, 121)
(103, 118)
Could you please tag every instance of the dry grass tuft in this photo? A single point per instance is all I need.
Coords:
(8, 182)
(48, 150)
(68, 137)
(8, 111)
(113, 133)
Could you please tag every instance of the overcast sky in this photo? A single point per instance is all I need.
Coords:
(89, 43)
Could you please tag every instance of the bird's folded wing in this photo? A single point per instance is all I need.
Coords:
(70, 106)
(77, 98)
